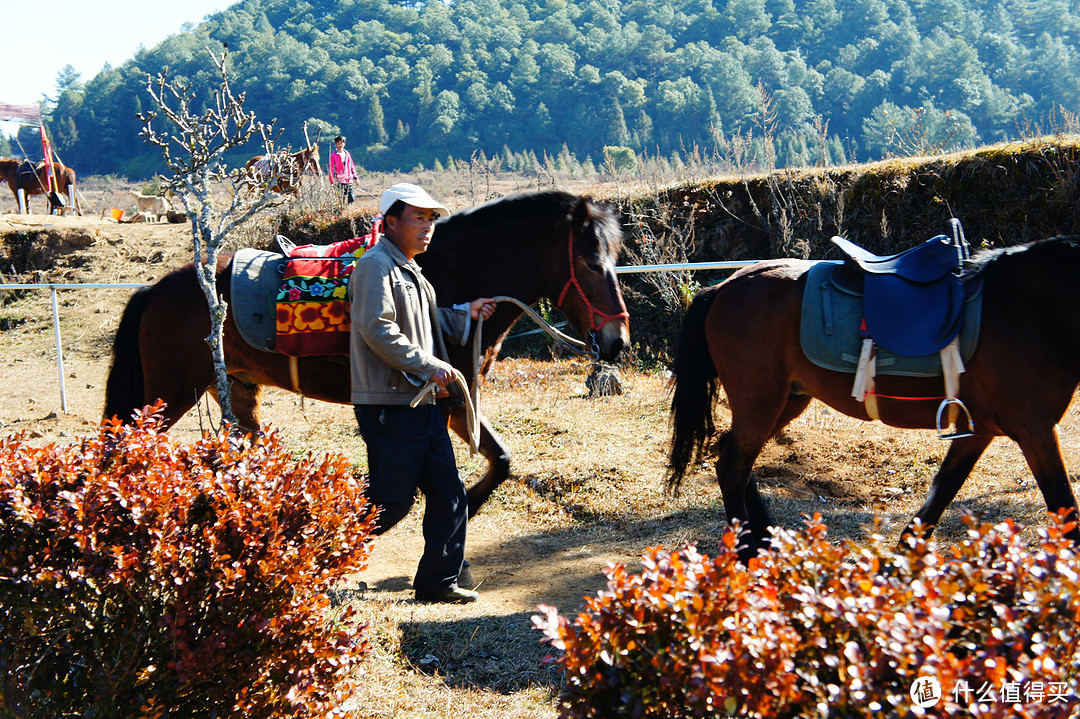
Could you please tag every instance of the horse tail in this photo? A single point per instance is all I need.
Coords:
(695, 389)
(124, 389)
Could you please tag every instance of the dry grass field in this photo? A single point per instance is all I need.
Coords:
(586, 488)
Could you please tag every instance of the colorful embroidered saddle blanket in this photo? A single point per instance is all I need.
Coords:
(312, 302)
(833, 310)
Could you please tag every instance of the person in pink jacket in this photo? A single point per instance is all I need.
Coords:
(342, 169)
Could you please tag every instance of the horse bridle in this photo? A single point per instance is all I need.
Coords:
(595, 313)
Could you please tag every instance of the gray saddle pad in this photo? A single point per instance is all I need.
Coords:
(256, 278)
(829, 333)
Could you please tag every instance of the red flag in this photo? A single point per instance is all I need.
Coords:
(46, 149)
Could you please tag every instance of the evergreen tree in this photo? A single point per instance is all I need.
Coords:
(411, 81)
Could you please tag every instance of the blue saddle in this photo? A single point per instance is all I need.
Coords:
(913, 302)
(832, 311)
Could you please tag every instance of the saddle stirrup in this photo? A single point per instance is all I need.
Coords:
(957, 433)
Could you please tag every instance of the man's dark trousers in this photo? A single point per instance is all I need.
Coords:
(409, 449)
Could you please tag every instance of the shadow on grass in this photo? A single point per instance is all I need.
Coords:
(502, 654)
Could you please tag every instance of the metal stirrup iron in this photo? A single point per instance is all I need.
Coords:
(958, 433)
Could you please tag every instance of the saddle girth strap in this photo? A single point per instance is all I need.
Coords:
(294, 375)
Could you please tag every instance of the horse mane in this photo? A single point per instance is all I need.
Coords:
(526, 209)
(1054, 251)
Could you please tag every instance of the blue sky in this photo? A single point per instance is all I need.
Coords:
(85, 35)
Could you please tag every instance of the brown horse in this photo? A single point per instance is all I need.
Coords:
(283, 169)
(38, 182)
(552, 245)
(744, 335)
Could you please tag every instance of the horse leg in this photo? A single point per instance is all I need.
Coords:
(491, 447)
(954, 470)
(796, 405)
(247, 405)
(742, 501)
(740, 447)
(1042, 451)
(246, 399)
(755, 504)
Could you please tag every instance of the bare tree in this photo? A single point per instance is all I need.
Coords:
(216, 199)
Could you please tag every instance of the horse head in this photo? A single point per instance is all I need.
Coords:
(590, 297)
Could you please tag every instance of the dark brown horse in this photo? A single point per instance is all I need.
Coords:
(744, 335)
(37, 183)
(552, 245)
(283, 169)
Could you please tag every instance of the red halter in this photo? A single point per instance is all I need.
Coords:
(594, 313)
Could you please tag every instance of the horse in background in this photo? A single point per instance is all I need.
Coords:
(34, 180)
(287, 168)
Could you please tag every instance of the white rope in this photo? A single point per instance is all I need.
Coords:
(472, 396)
(470, 410)
(544, 324)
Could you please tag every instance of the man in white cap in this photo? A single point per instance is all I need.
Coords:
(396, 348)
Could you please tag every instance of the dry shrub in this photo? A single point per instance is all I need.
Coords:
(140, 576)
(816, 629)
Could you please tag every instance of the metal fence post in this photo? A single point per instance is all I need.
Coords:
(59, 350)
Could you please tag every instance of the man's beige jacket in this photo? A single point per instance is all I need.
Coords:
(394, 334)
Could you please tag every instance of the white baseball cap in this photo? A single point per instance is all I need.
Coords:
(411, 195)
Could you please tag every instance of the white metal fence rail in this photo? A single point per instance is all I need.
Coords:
(54, 288)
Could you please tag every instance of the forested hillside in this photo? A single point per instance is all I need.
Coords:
(412, 82)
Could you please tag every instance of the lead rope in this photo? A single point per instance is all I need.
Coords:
(470, 409)
(472, 395)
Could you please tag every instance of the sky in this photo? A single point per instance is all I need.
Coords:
(85, 35)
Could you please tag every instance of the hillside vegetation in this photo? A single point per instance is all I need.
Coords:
(769, 82)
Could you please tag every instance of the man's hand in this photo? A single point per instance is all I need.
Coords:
(445, 375)
(482, 307)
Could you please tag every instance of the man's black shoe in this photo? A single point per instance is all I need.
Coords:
(450, 595)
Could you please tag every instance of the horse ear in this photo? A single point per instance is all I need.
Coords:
(579, 215)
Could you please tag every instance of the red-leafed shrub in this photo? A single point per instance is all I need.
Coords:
(986, 627)
(140, 576)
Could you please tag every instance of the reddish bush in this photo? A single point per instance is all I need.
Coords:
(140, 576)
(813, 629)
